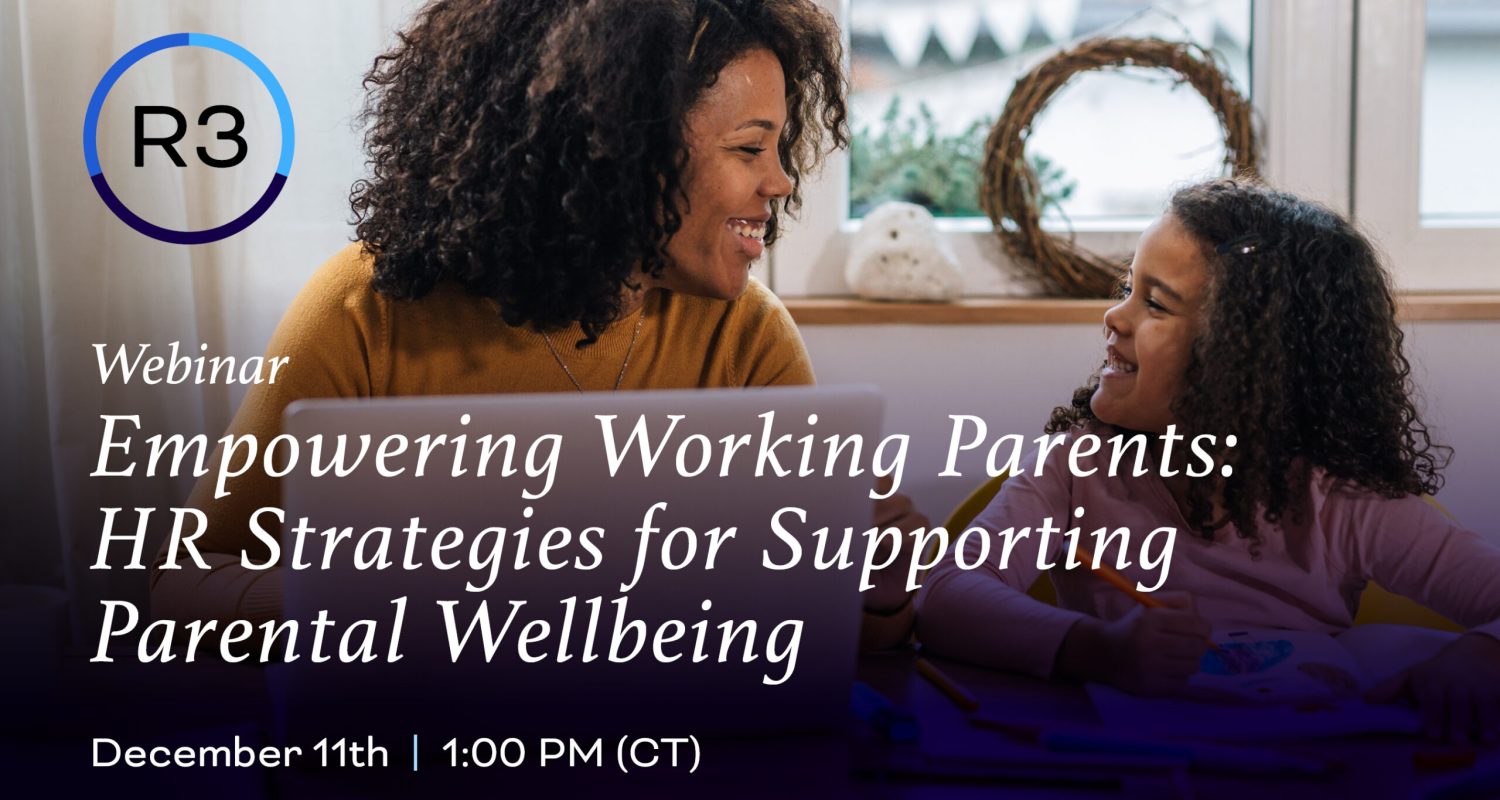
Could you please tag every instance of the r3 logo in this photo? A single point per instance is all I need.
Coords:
(166, 142)
(223, 156)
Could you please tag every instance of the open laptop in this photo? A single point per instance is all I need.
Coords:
(787, 665)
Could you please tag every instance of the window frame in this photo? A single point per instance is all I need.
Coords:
(1388, 164)
(1301, 60)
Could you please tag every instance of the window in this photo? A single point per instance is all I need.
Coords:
(1295, 59)
(1428, 114)
(1461, 67)
(930, 79)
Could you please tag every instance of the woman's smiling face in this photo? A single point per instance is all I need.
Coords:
(1149, 334)
(733, 175)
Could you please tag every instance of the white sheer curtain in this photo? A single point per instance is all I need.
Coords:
(73, 275)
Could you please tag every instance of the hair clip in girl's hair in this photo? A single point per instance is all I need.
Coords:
(1242, 245)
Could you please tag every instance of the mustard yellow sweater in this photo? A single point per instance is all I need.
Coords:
(344, 340)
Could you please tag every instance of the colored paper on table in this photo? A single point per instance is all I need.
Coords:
(1276, 684)
(1279, 666)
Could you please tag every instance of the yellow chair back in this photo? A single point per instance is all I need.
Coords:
(1379, 604)
(1042, 589)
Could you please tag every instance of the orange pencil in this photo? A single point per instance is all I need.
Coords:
(1115, 579)
(959, 695)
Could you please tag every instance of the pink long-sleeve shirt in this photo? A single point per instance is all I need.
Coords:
(1308, 576)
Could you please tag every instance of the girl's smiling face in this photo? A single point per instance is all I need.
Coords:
(732, 178)
(1149, 334)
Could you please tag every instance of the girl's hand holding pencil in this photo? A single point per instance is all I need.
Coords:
(1150, 651)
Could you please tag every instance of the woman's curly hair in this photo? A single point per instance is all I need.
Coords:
(532, 151)
(1299, 356)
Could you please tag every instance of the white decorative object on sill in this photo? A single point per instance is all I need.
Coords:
(898, 254)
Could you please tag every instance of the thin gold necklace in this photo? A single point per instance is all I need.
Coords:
(640, 320)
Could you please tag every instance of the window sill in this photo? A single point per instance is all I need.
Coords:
(1054, 311)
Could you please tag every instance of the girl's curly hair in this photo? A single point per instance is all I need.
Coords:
(1299, 355)
(532, 150)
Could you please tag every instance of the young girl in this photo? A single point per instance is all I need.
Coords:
(1245, 312)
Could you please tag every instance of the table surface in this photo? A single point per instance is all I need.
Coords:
(44, 735)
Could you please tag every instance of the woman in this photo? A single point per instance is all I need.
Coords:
(565, 196)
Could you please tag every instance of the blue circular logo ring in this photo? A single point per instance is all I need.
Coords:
(91, 135)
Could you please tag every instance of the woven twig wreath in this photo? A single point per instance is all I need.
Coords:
(1011, 192)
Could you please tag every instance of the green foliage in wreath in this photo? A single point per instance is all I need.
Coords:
(909, 159)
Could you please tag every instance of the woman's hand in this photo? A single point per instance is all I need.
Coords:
(1457, 691)
(1150, 651)
(889, 593)
(889, 617)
